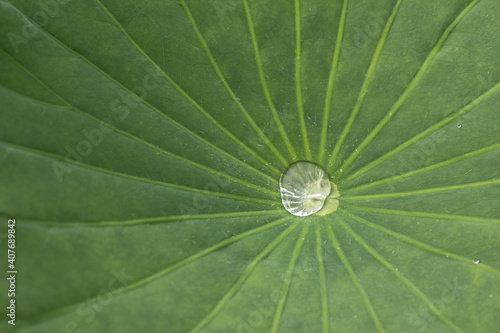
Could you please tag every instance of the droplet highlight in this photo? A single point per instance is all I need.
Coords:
(477, 261)
(304, 187)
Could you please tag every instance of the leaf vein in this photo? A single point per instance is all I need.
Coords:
(263, 82)
(139, 140)
(366, 84)
(366, 300)
(414, 83)
(153, 277)
(288, 278)
(231, 93)
(431, 167)
(400, 276)
(298, 88)
(422, 245)
(245, 275)
(331, 80)
(140, 179)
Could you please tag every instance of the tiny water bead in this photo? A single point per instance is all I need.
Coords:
(305, 188)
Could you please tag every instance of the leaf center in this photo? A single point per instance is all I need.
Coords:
(306, 189)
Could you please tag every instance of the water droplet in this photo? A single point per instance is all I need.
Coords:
(304, 187)
(459, 126)
(476, 261)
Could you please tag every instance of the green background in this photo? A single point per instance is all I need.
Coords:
(141, 145)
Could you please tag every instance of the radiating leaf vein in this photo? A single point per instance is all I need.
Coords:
(366, 300)
(428, 168)
(401, 277)
(436, 216)
(244, 276)
(288, 279)
(139, 179)
(364, 88)
(409, 89)
(424, 191)
(422, 245)
(231, 93)
(322, 281)
(331, 80)
(265, 88)
(66, 309)
(137, 139)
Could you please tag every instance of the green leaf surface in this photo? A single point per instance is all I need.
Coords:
(141, 145)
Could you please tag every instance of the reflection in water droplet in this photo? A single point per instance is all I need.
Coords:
(476, 261)
(459, 126)
(304, 187)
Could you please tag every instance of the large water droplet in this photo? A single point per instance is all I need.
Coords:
(304, 188)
